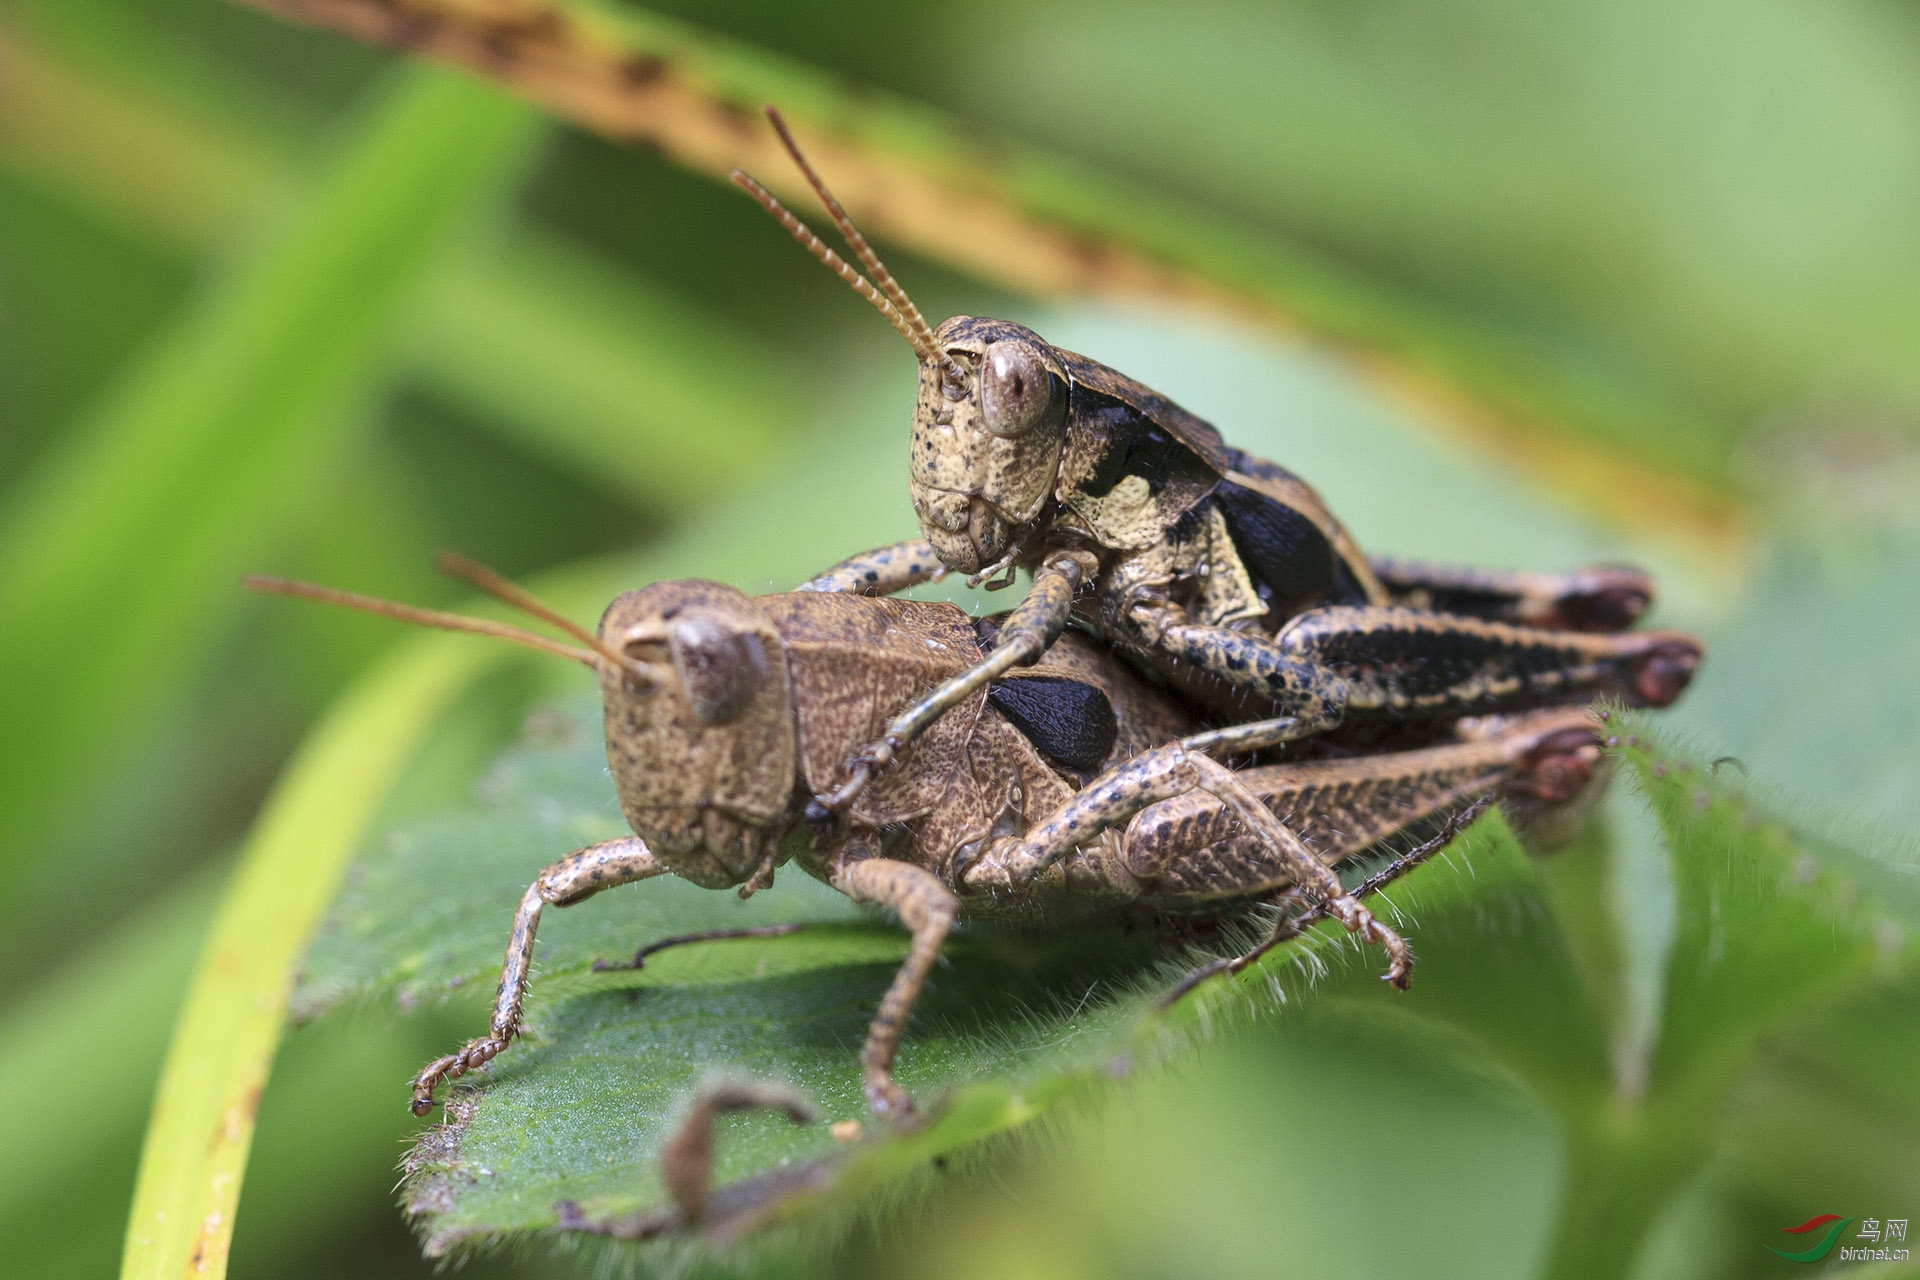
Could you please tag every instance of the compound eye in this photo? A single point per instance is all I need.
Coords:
(1017, 390)
(719, 668)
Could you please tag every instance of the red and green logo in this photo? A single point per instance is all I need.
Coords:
(1825, 1245)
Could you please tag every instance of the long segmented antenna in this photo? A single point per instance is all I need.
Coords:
(876, 269)
(814, 245)
(479, 576)
(889, 298)
(590, 656)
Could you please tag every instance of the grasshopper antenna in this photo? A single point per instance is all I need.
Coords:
(814, 245)
(889, 298)
(479, 576)
(876, 269)
(590, 656)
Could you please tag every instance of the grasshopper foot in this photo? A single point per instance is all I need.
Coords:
(451, 1067)
(888, 1101)
(860, 771)
(1362, 924)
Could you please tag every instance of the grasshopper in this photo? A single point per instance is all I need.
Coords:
(1225, 574)
(1069, 794)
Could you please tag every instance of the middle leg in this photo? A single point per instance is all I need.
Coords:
(926, 907)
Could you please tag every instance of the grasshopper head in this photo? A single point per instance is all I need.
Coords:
(988, 424)
(699, 715)
(703, 756)
(987, 434)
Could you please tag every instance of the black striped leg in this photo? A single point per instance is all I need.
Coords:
(1329, 662)
(1413, 662)
(927, 908)
(575, 877)
(1598, 598)
(881, 571)
(1033, 625)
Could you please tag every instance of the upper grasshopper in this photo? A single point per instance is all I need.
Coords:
(724, 712)
(1225, 573)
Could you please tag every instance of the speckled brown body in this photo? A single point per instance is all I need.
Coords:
(1064, 794)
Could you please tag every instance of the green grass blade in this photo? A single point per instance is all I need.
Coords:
(1043, 223)
(118, 553)
(78, 1057)
(223, 1044)
(573, 357)
(587, 366)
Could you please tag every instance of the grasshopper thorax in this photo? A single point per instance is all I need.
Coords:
(703, 757)
(987, 432)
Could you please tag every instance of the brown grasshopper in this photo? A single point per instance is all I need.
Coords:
(724, 713)
(1224, 573)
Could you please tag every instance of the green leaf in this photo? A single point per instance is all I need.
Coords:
(571, 1120)
(1765, 932)
(1049, 225)
(1014, 1027)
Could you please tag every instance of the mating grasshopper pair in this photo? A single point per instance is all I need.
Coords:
(1224, 574)
(945, 769)
(725, 713)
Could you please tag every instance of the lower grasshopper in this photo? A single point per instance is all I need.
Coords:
(724, 713)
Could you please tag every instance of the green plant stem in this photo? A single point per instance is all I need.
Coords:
(1621, 1173)
(224, 1042)
(1047, 225)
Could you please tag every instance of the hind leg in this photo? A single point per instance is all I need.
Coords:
(1598, 598)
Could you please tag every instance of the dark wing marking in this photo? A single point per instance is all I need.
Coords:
(1137, 446)
(1351, 579)
(1290, 560)
(1068, 721)
(1099, 383)
(1117, 428)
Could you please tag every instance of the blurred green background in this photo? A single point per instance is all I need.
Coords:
(270, 301)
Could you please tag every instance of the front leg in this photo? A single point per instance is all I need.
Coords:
(575, 877)
(925, 906)
(1032, 626)
(881, 571)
